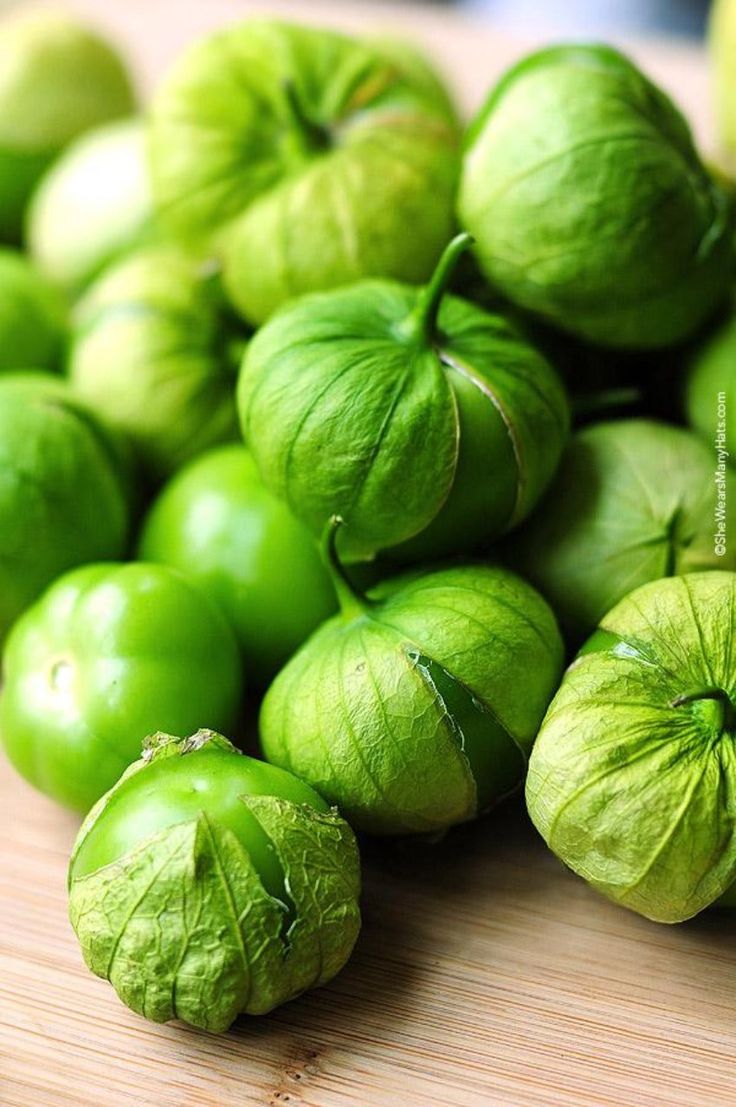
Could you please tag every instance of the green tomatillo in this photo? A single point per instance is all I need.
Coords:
(106, 652)
(631, 780)
(64, 491)
(411, 413)
(303, 160)
(633, 500)
(710, 386)
(217, 522)
(156, 350)
(93, 204)
(32, 316)
(207, 884)
(57, 79)
(589, 204)
(415, 708)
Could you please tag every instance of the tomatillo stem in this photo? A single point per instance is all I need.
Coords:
(421, 322)
(720, 695)
(352, 601)
(308, 137)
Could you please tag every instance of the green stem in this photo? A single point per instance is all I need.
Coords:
(721, 696)
(421, 322)
(307, 137)
(352, 601)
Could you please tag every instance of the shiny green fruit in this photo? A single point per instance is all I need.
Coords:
(217, 522)
(105, 653)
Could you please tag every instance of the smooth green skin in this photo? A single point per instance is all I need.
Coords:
(301, 157)
(155, 351)
(92, 205)
(712, 370)
(632, 791)
(206, 884)
(588, 202)
(722, 41)
(216, 521)
(57, 80)
(444, 435)
(64, 498)
(633, 500)
(174, 790)
(103, 656)
(32, 316)
(402, 709)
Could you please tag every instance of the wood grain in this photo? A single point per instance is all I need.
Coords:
(485, 974)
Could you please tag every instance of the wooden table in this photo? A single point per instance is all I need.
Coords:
(485, 974)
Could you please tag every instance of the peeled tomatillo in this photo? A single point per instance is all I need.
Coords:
(217, 523)
(427, 423)
(109, 651)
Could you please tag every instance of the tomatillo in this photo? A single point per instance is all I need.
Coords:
(710, 387)
(92, 205)
(303, 159)
(589, 204)
(32, 317)
(65, 494)
(108, 650)
(59, 78)
(155, 350)
(406, 709)
(217, 522)
(631, 779)
(207, 884)
(633, 500)
(413, 414)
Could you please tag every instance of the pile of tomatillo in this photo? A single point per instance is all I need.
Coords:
(318, 401)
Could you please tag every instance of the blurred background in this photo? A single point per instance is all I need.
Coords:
(583, 18)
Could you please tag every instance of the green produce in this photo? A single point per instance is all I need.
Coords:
(93, 204)
(631, 777)
(57, 80)
(633, 500)
(217, 522)
(104, 652)
(589, 204)
(32, 317)
(415, 708)
(710, 391)
(723, 54)
(64, 497)
(207, 884)
(304, 160)
(412, 414)
(156, 351)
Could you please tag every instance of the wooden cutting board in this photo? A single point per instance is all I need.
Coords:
(485, 973)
